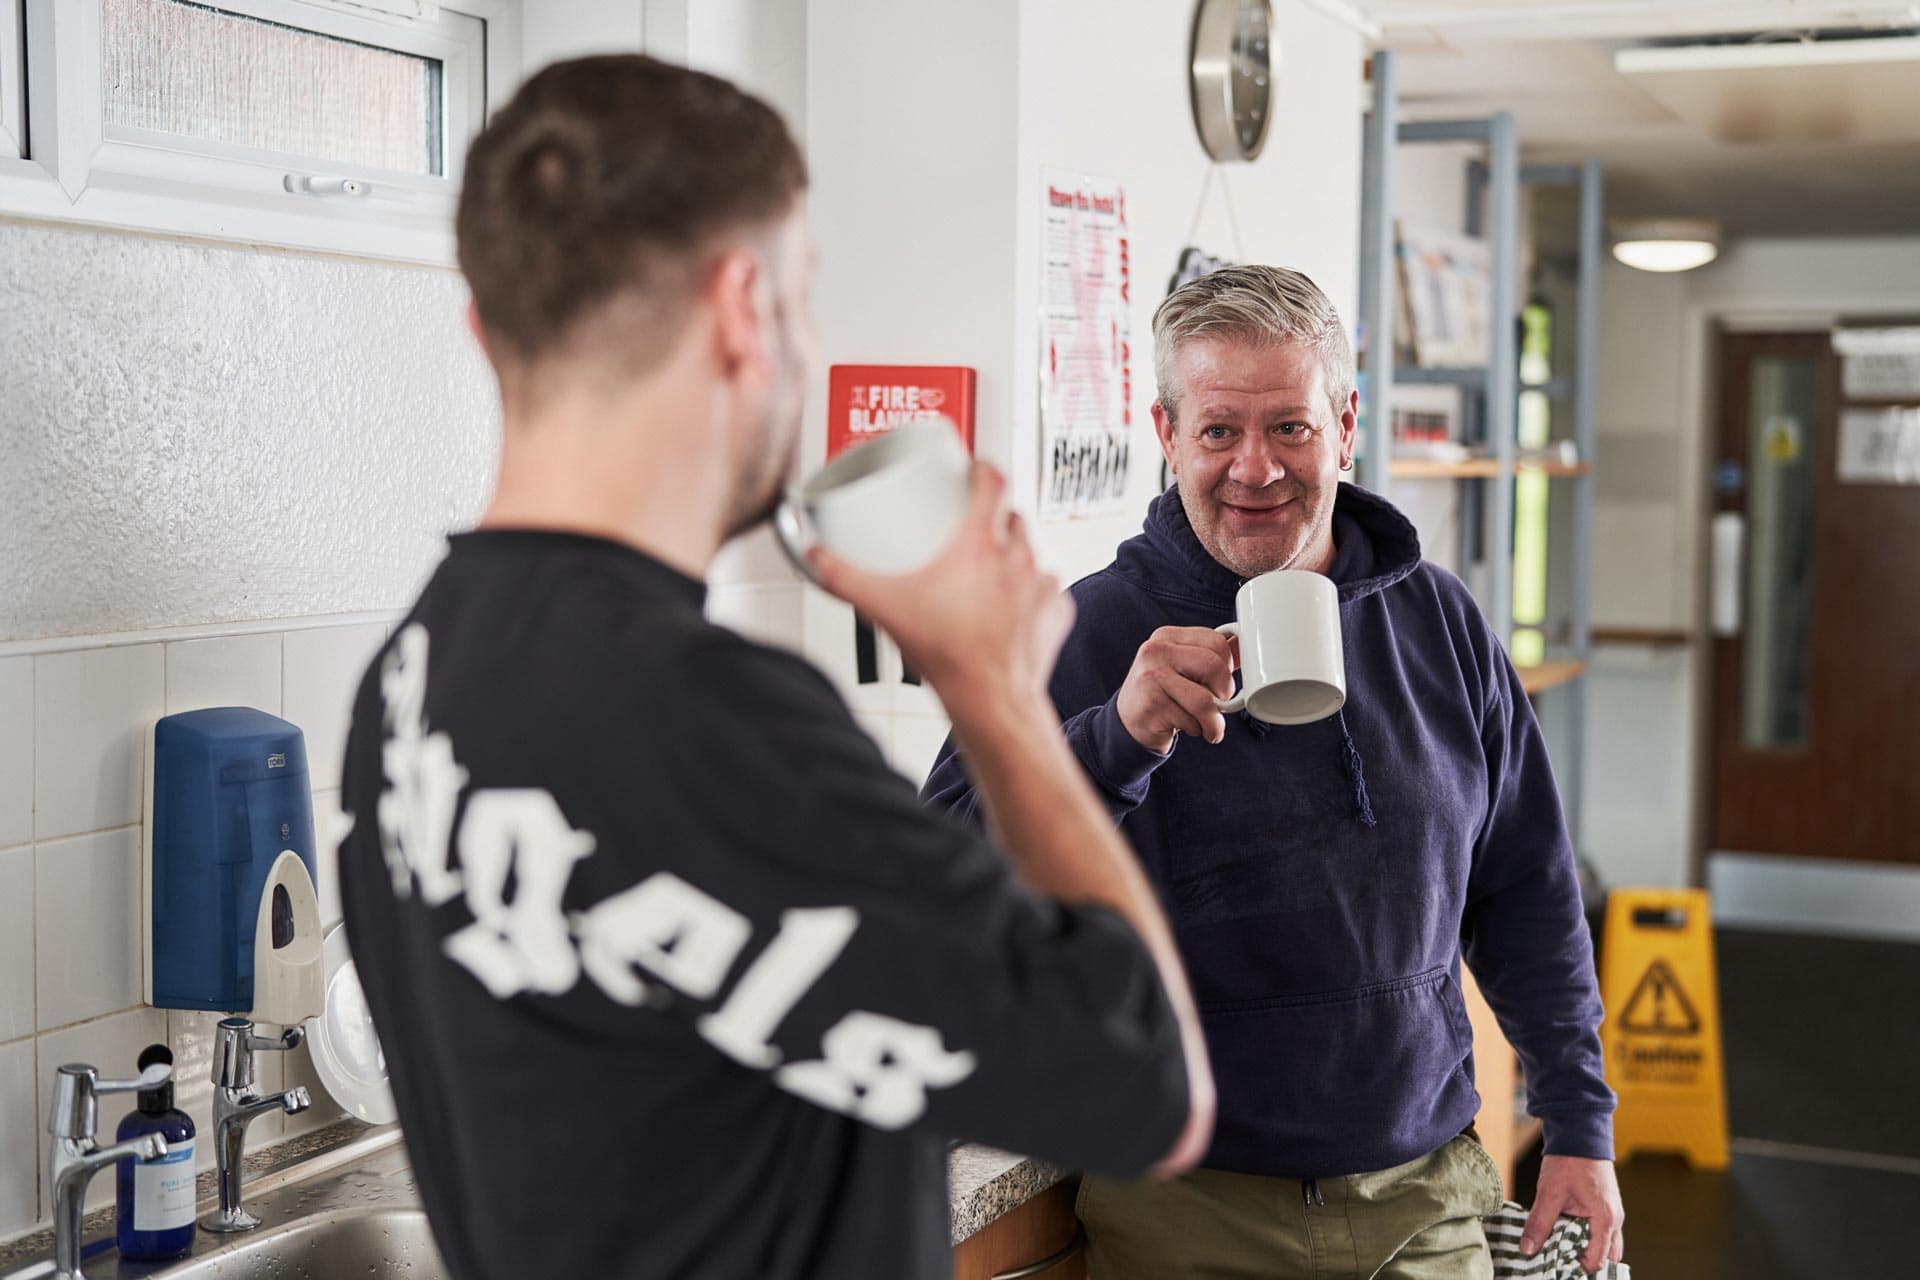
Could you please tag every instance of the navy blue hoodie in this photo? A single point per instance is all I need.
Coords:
(1323, 880)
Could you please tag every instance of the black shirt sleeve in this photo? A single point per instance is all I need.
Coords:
(774, 888)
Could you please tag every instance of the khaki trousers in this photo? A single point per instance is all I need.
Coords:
(1419, 1221)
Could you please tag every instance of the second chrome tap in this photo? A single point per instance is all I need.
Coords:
(235, 1106)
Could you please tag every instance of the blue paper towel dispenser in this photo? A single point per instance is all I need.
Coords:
(231, 919)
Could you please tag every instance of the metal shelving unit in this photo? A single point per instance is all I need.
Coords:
(1491, 404)
(1491, 391)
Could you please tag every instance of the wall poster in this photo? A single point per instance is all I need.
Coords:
(1086, 347)
(1879, 364)
(1880, 446)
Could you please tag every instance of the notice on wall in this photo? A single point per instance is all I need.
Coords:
(1086, 347)
(1879, 364)
(1880, 446)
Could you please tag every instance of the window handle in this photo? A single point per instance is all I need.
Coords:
(307, 184)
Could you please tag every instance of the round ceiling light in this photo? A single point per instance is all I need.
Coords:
(1665, 244)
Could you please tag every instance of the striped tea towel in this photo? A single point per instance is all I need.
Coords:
(1558, 1259)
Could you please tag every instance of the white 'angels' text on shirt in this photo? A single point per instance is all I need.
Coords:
(872, 1067)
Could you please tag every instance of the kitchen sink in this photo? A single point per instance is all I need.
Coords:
(351, 1212)
(382, 1244)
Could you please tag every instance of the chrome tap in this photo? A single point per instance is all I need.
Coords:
(235, 1106)
(73, 1157)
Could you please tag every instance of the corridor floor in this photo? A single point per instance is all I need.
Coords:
(1822, 1041)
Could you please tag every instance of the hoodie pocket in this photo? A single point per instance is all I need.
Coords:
(1278, 833)
(1342, 1081)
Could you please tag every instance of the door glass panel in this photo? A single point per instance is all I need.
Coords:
(1780, 448)
(200, 72)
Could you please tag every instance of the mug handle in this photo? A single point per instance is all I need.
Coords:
(1238, 702)
(795, 538)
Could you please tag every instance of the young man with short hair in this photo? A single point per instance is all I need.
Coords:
(674, 976)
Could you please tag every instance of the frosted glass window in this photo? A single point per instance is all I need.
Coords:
(220, 77)
(1784, 409)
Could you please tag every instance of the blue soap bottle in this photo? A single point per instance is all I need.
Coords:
(156, 1197)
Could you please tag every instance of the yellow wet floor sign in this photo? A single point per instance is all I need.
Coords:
(1662, 1033)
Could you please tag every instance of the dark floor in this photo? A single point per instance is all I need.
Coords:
(1822, 1040)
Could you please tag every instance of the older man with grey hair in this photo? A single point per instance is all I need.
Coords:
(1326, 880)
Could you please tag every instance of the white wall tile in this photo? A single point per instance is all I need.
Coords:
(16, 945)
(736, 608)
(113, 1045)
(92, 709)
(16, 751)
(785, 620)
(879, 727)
(19, 1158)
(229, 671)
(751, 559)
(86, 909)
(330, 827)
(916, 741)
(190, 1036)
(322, 670)
(829, 645)
(914, 699)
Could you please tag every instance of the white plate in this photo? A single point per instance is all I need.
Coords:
(346, 1052)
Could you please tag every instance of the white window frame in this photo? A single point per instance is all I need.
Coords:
(80, 169)
(13, 89)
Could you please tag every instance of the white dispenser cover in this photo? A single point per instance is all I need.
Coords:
(286, 979)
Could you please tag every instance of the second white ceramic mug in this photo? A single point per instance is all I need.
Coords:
(1292, 667)
(889, 506)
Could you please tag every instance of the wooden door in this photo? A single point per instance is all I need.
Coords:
(1816, 649)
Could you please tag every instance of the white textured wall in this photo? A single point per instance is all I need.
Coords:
(196, 434)
(1104, 90)
(926, 207)
(1638, 763)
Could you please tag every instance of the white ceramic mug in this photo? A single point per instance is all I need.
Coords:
(1292, 667)
(889, 505)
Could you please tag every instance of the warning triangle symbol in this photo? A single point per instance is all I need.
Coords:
(1659, 1006)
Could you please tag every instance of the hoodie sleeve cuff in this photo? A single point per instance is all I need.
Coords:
(1117, 764)
(1587, 1134)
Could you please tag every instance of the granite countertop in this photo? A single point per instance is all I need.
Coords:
(984, 1184)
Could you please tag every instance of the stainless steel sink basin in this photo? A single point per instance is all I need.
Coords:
(380, 1244)
(349, 1212)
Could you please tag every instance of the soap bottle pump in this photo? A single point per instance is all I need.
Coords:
(156, 1197)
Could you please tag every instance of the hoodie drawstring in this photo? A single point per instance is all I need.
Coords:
(1350, 756)
(1356, 774)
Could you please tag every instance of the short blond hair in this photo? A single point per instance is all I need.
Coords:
(1260, 305)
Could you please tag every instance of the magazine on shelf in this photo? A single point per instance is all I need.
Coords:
(1445, 287)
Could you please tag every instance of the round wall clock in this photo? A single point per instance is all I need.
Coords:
(1232, 76)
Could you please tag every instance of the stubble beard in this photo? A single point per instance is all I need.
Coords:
(764, 479)
(768, 466)
(1265, 556)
